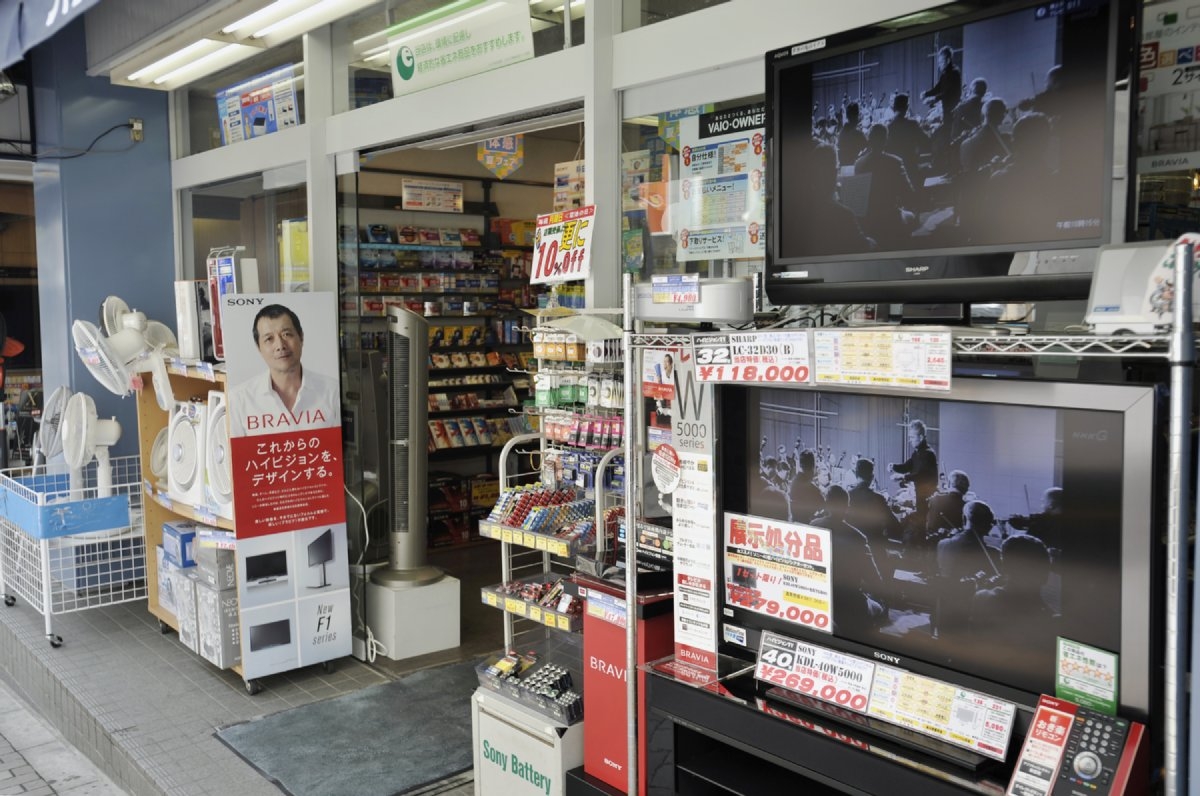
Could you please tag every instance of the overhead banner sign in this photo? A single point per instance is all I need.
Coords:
(259, 106)
(562, 246)
(502, 155)
(25, 25)
(284, 415)
(436, 196)
(459, 39)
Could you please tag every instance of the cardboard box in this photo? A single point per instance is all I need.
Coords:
(166, 583)
(216, 567)
(185, 581)
(219, 638)
(178, 537)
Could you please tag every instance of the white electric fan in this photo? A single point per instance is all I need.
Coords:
(114, 359)
(115, 315)
(47, 443)
(159, 453)
(86, 437)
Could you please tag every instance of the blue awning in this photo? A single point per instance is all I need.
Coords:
(26, 23)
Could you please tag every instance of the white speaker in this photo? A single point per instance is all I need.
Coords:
(186, 434)
(218, 469)
(193, 320)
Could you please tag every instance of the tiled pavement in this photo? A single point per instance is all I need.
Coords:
(143, 709)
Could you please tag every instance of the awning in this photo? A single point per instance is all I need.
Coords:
(26, 23)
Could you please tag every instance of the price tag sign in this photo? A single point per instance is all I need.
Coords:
(506, 536)
(206, 370)
(815, 671)
(780, 569)
(918, 359)
(561, 246)
(754, 357)
(177, 366)
(675, 289)
(535, 613)
(491, 599)
(514, 606)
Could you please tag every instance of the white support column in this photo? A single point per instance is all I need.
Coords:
(322, 181)
(602, 154)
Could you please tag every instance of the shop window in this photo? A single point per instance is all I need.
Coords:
(256, 97)
(448, 40)
(270, 226)
(639, 13)
(692, 191)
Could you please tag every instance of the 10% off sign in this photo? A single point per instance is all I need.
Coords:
(815, 671)
(561, 246)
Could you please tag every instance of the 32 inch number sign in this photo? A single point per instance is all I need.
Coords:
(815, 671)
(561, 246)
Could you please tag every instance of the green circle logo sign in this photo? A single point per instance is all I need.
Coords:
(406, 62)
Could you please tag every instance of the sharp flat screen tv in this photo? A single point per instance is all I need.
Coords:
(1013, 516)
(320, 553)
(910, 160)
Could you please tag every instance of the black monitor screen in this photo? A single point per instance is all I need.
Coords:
(271, 634)
(320, 550)
(966, 535)
(907, 151)
(266, 565)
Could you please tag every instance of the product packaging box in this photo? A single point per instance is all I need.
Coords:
(219, 641)
(166, 581)
(185, 581)
(178, 537)
(216, 566)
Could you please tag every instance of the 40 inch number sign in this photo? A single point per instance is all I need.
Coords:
(562, 246)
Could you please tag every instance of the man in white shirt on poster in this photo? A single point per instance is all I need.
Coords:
(286, 396)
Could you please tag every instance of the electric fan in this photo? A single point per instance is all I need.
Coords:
(114, 359)
(159, 454)
(115, 315)
(48, 442)
(86, 437)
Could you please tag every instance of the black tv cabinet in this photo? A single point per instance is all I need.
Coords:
(725, 738)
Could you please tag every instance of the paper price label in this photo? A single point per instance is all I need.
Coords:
(560, 549)
(177, 366)
(564, 623)
(491, 599)
(541, 542)
(675, 289)
(206, 371)
(815, 671)
(548, 618)
(753, 358)
(506, 536)
(530, 540)
(535, 613)
(514, 606)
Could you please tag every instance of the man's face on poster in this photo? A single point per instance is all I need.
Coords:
(279, 343)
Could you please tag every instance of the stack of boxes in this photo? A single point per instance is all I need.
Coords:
(197, 582)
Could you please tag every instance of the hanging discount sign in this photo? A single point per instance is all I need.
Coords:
(562, 246)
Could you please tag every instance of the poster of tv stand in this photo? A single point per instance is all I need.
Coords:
(934, 208)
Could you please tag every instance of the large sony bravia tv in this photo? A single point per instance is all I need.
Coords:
(1068, 547)
(911, 159)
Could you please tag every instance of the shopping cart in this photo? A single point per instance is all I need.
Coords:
(70, 540)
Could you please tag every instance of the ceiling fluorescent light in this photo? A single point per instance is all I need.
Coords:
(309, 18)
(513, 128)
(226, 56)
(446, 24)
(361, 45)
(179, 57)
(265, 16)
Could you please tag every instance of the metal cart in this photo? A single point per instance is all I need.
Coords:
(71, 541)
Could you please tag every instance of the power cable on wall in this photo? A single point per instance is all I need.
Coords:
(78, 153)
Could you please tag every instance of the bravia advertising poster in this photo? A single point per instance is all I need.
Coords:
(1168, 135)
(286, 442)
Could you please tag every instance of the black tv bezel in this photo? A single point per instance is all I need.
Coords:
(271, 555)
(1141, 569)
(268, 629)
(326, 541)
(966, 274)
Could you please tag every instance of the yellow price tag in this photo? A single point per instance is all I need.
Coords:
(548, 618)
(506, 536)
(493, 530)
(541, 543)
(491, 599)
(514, 606)
(530, 540)
(560, 549)
(535, 613)
(564, 623)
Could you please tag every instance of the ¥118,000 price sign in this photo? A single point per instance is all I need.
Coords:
(815, 671)
(753, 358)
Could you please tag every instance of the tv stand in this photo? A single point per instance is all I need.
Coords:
(726, 738)
(324, 578)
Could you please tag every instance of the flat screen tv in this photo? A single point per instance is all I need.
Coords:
(910, 160)
(266, 567)
(320, 553)
(1012, 516)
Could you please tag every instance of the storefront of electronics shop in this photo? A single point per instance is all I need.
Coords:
(672, 119)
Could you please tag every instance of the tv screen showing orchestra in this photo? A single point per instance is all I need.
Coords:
(965, 534)
(989, 132)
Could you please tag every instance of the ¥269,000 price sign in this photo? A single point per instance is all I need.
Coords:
(815, 671)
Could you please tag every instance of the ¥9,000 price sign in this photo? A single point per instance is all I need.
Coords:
(562, 246)
(815, 671)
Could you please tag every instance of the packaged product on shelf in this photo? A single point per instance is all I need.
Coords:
(618, 432)
(565, 390)
(178, 539)
(379, 233)
(474, 335)
(372, 307)
(409, 282)
(450, 237)
(428, 236)
(464, 261)
(459, 359)
(432, 283)
(406, 234)
(478, 359)
(441, 361)
(482, 431)
(470, 438)
(184, 582)
(388, 282)
(453, 433)
(493, 358)
(454, 336)
(437, 432)
(218, 640)
(469, 237)
(368, 282)
(436, 335)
